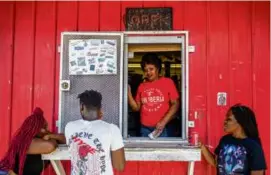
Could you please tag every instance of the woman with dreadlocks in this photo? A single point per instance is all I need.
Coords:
(24, 154)
(240, 151)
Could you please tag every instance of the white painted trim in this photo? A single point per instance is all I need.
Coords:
(155, 32)
(121, 81)
(132, 36)
(58, 167)
(153, 39)
(123, 34)
(125, 90)
(140, 154)
(191, 167)
(93, 33)
(59, 87)
(159, 142)
(186, 82)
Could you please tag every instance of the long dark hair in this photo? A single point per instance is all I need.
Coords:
(22, 140)
(246, 118)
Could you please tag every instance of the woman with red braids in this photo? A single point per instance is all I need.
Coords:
(24, 154)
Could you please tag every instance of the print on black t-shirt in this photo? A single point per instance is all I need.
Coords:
(232, 159)
(239, 156)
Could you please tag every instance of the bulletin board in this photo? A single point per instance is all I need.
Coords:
(92, 56)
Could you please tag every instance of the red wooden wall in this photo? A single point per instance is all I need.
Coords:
(232, 42)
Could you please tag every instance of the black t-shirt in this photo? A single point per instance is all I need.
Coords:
(33, 165)
(239, 156)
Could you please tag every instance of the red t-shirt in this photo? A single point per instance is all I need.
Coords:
(155, 100)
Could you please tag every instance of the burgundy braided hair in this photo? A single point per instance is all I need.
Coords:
(22, 140)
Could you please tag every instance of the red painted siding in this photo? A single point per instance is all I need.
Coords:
(218, 67)
(6, 70)
(23, 62)
(240, 52)
(88, 11)
(232, 41)
(45, 48)
(261, 70)
(197, 27)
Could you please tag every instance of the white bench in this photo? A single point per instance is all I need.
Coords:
(189, 155)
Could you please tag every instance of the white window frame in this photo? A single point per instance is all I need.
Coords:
(164, 37)
(157, 37)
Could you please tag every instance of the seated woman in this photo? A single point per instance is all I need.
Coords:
(240, 151)
(157, 98)
(24, 154)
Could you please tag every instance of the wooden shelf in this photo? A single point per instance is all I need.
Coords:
(154, 47)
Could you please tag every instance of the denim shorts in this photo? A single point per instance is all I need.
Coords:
(3, 172)
(145, 131)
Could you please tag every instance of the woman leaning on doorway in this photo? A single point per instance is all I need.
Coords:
(157, 98)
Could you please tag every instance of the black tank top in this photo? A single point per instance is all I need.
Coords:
(33, 165)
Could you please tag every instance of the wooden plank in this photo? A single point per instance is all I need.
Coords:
(154, 48)
(197, 60)
(128, 4)
(149, 167)
(24, 44)
(110, 16)
(45, 49)
(218, 64)
(67, 166)
(6, 66)
(173, 168)
(88, 15)
(240, 53)
(261, 71)
(65, 22)
(153, 3)
(196, 25)
(177, 13)
(131, 168)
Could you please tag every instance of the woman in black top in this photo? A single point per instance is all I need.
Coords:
(239, 152)
(30, 141)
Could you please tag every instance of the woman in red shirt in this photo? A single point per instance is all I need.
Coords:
(157, 98)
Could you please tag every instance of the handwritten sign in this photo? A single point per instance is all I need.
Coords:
(148, 19)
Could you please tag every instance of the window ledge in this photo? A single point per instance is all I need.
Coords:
(140, 154)
(145, 142)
